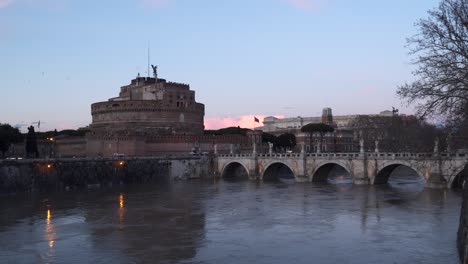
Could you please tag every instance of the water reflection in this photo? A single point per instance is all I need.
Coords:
(234, 222)
(50, 236)
(121, 201)
(121, 210)
(338, 175)
(154, 224)
(49, 215)
(406, 180)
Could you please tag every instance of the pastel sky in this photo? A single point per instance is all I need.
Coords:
(243, 58)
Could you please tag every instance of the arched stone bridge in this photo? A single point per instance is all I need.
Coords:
(437, 170)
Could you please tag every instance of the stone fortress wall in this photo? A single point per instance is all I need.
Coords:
(147, 116)
(150, 105)
(160, 145)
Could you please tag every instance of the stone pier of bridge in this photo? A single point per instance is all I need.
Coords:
(438, 170)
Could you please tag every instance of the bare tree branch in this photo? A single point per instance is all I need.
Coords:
(441, 55)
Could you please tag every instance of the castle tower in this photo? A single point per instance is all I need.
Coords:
(150, 106)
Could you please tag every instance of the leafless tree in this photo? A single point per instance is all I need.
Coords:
(440, 52)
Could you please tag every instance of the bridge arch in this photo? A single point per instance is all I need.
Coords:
(235, 170)
(322, 170)
(459, 178)
(384, 172)
(277, 170)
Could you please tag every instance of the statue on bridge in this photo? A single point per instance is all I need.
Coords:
(361, 145)
(436, 146)
(449, 143)
(270, 148)
(376, 146)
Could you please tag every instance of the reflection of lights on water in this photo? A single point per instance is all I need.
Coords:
(121, 200)
(121, 208)
(48, 216)
(50, 230)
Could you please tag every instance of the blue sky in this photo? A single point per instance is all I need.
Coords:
(243, 57)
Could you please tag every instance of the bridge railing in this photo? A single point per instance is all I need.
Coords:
(374, 155)
(235, 155)
(334, 155)
(398, 155)
(403, 155)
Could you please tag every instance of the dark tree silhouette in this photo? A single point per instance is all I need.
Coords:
(440, 51)
(31, 143)
(228, 131)
(267, 137)
(8, 136)
(285, 141)
(320, 128)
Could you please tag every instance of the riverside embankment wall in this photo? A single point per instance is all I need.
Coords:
(462, 236)
(60, 174)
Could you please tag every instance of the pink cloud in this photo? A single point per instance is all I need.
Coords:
(245, 121)
(5, 3)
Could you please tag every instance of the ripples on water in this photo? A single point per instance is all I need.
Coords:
(235, 222)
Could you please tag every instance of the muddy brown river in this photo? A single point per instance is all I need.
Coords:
(234, 222)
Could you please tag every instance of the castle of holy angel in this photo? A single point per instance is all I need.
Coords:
(152, 116)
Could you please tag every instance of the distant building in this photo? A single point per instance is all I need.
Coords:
(344, 139)
(274, 125)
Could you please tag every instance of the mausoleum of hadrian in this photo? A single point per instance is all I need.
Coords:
(150, 106)
(150, 117)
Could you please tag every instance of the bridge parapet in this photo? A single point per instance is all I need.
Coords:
(333, 155)
(436, 169)
(234, 155)
(280, 155)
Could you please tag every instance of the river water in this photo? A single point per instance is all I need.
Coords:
(234, 222)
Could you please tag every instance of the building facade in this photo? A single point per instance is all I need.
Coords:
(345, 138)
